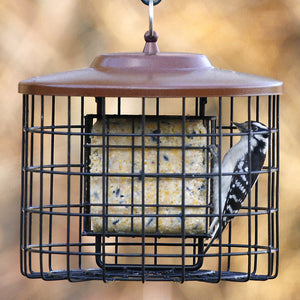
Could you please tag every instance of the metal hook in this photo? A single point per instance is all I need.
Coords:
(151, 15)
(154, 3)
(151, 4)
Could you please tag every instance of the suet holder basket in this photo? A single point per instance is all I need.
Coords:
(118, 171)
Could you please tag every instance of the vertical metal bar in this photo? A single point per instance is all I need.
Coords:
(69, 189)
(220, 135)
(231, 144)
(249, 187)
(116, 249)
(157, 180)
(143, 189)
(24, 184)
(273, 127)
(23, 188)
(41, 187)
(117, 238)
(119, 106)
(183, 192)
(208, 127)
(51, 180)
(277, 187)
(132, 171)
(256, 196)
(99, 101)
(212, 166)
(257, 108)
(87, 151)
(157, 107)
(203, 101)
(101, 107)
(273, 137)
(231, 119)
(81, 196)
(273, 178)
(107, 173)
(269, 188)
(31, 181)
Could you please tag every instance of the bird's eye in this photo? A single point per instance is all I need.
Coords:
(255, 128)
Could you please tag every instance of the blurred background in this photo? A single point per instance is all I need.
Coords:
(45, 36)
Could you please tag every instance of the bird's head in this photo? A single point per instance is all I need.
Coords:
(253, 126)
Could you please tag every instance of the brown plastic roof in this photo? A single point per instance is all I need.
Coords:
(151, 75)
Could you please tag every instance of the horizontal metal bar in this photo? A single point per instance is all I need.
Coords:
(37, 249)
(106, 215)
(133, 274)
(265, 170)
(44, 130)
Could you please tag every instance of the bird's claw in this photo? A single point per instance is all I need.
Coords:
(213, 150)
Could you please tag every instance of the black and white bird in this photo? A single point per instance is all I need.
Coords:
(234, 188)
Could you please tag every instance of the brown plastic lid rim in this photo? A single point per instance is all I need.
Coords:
(151, 74)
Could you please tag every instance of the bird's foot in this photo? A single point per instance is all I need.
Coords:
(213, 150)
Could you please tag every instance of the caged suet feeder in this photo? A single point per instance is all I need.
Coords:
(125, 177)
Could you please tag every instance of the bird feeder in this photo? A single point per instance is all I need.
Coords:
(118, 171)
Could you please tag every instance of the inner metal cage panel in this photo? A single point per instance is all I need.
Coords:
(57, 238)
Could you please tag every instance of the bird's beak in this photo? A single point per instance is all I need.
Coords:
(242, 127)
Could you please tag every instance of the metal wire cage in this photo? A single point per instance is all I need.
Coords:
(118, 171)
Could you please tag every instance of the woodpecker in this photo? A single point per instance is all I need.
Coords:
(234, 188)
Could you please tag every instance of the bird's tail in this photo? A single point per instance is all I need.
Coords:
(216, 234)
(215, 231)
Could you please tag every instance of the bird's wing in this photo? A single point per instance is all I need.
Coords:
(239, 186)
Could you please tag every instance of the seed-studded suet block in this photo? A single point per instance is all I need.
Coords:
(161, 174)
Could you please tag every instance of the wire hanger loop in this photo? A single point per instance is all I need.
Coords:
(147, 2)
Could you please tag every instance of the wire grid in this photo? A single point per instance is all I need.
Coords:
(57, 240)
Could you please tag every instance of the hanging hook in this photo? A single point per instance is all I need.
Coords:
(151, 4)
(154, 2)
(151, 15)
(151, 36)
